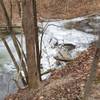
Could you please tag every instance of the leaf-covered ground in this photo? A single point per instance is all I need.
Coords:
(66, 83)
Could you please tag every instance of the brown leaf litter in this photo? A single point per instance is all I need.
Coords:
(66, 83)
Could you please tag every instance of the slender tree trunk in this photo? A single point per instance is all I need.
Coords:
(92, 76)
(29, 29)
(36, 37)
(14, 61)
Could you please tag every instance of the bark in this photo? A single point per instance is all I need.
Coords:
(30, 31)
(36, 37)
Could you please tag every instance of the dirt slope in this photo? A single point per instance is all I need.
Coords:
(67, 8)
(63, 9)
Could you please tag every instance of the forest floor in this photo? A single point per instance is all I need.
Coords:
(66, 83)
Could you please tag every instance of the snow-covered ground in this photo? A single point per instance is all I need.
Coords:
(56, 33)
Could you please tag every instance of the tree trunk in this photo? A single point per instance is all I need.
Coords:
(92, 76)
(36, 37)
(29, 28)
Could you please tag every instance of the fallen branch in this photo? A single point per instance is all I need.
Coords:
(48, 71)
(69, 60)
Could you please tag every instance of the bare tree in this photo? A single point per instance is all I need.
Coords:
(93, 70)
(36, 38)
(30, 31)
(92, 75)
